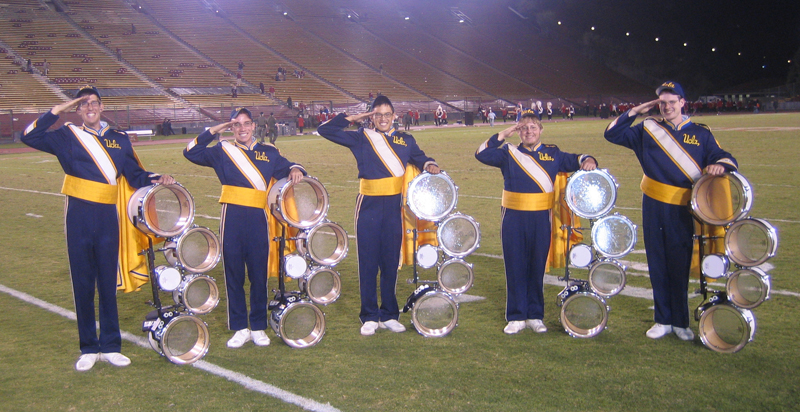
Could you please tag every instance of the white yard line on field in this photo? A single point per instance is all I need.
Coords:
(235, 377)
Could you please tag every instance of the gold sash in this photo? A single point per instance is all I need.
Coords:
(381, 187)
(243, 196)
(89, 190)
(665, 193)
(530, 202)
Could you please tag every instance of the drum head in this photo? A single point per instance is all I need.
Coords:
(197, 250)
(614, 236)
(751, 242)
(607, 278)
(725, 328)
(185, 340)
(295, 266)
(326, 244)
(162, 210)
(584, 315)
(168, 278)
(432, 197)
(198, 293)
(591, 194)
(322, 285)
(748, 288)
(302, 205)
(456, 276)
(299, 324)
(720, 200)
(715, 266)
(580, 255)
(427, 256)
(458, 235)
(435, 314)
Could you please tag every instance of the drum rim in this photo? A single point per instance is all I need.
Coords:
(766, 281)
(137, 200)
(196, 351)
(427, 246)
(319, 328)
(747, 190)
(320, 213)
(414, 209)
(607, 209)
(440, 332)
(208, 264)
(631, 225)
(772, 237)
(596, 330)
(159, 269)
(614, 263)
(207, 306)
(582, 246)
(341, 248)
(744, 315)
(463, 289)
(442, 225)
(304, 282)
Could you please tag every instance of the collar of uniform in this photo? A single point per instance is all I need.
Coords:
(250, 146)
(388, 133)
(684, 122)
(533, 149)
(98, 133)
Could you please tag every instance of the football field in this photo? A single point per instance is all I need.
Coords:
(475, 368)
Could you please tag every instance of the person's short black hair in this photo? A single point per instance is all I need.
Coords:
(83, 91)
(382, 100)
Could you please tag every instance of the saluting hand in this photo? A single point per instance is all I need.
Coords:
(644, 108)
(504, 134)
(221, 127)
(356, 118)
(63, 107)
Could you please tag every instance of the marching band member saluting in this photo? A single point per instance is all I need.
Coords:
(673, 152)
(529, 172)
(93, 157)
(382, 155)
(245, 168)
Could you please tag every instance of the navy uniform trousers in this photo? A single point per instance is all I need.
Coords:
(668, 231)
(92, 231)
(523, 232)
(379, 235)
(245, 243)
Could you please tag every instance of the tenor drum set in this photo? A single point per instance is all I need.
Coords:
(433, 305)
(174, 330)
(319, 246)
(584, 310)
(726, 322)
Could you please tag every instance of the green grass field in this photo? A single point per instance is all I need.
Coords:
(475, 368)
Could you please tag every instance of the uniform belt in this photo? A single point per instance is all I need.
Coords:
(529, 202)
(89, 190)
(381, 187)
(665, 193)
(243, 196)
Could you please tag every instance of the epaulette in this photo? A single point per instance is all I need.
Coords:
(703, 126)
(549, 145)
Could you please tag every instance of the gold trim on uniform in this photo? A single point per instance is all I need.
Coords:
(243, 196)
(89, 190)
(529, 202)
(665, 193)
(387, 186)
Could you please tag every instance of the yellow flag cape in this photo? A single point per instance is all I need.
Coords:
(562, 215)
(426, 229)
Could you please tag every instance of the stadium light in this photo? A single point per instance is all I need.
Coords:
(684, 44)
(713, 49)
(656, 38)
(592, 28)
(559, 22)
(628, 34)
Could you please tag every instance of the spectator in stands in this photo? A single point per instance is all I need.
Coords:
(240, 68)
(289, 102)
(29, 66)
(526, 229)
(234, 92)
(272, 125)
(119, 54)
(46, 67)
(244, 168)
(133, 29)
(272, 92)
(382, 156)
(95, 159)
(261, 87)
(261, 127)
(166, 127)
